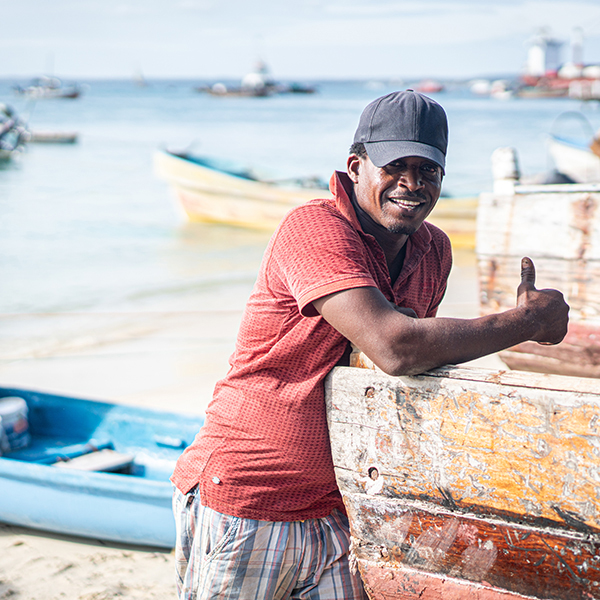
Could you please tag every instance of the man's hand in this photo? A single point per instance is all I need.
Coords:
(549, 309)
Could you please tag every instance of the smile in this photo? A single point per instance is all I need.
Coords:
(407, 203)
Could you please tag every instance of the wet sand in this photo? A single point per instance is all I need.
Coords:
(160, 360)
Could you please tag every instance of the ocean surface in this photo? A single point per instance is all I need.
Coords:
(88, 228)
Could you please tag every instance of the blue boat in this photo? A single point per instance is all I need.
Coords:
(94, 469)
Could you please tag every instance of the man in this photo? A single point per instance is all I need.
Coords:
(258, 512)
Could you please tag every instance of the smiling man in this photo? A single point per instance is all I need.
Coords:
(258, 512)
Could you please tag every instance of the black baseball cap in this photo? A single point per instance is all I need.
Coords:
(403, 124)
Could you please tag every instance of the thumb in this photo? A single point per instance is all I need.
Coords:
(527, 275)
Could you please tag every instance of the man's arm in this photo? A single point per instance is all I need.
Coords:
(401, 345)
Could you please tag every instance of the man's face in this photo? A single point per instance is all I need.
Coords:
(398, 196)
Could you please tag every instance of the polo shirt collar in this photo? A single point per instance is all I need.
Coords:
(340, 186)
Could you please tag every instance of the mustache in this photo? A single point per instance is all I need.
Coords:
(408, 194)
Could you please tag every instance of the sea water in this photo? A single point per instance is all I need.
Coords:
(88, 228)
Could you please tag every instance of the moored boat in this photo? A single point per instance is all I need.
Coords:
(212, 192)
(49, 87)
(93, 469)
(577, 156)
(468, 483)
(215, 193)
(557, 226)
(257, 84)
(52, 137)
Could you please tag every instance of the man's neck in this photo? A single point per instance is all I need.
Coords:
(392, 244)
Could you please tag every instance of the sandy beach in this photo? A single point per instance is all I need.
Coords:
(162, 360)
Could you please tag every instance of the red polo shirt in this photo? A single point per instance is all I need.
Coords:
(263, 452)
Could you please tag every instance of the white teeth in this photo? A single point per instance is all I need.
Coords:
(407, 203)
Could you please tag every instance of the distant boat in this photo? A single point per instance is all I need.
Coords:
(52, 137)
(212, 192)
(499, 89)
(49, 87)
(92, 469)
(138, 79)
(258, 84)
(541, 90)
(430, 86)
(471, 484)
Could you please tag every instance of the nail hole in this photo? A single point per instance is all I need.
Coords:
(370, 392)
(373, 473)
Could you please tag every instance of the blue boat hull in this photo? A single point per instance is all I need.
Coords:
(132, 508)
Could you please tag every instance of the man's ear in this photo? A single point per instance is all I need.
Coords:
(353, 167)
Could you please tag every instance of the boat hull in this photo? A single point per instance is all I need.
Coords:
(577, 162)
(465, 483)
(210, 196)
(91, 505)
(557, 227)
(132, 508)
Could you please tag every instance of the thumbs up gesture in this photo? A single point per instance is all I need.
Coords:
(546, 308)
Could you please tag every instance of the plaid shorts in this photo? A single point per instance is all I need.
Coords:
(223, 557)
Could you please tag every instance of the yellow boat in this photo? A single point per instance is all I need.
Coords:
(213, 193)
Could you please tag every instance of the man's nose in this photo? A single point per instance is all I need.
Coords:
(411, 178)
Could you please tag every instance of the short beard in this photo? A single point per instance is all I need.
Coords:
(402, 229)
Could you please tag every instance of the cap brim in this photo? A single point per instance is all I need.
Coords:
(383, 153)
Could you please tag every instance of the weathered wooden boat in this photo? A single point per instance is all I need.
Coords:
(94, 469)
(215, 193)
(558, 226)
(468, 483)
(212, 192)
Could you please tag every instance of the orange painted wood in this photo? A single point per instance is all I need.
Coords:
(416, 540)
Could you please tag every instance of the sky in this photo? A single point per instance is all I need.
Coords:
(299, 39)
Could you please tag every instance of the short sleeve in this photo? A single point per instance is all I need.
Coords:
(317, 252)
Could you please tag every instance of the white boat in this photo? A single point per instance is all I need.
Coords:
(49, 87)
(574, 159)
(574, 156)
